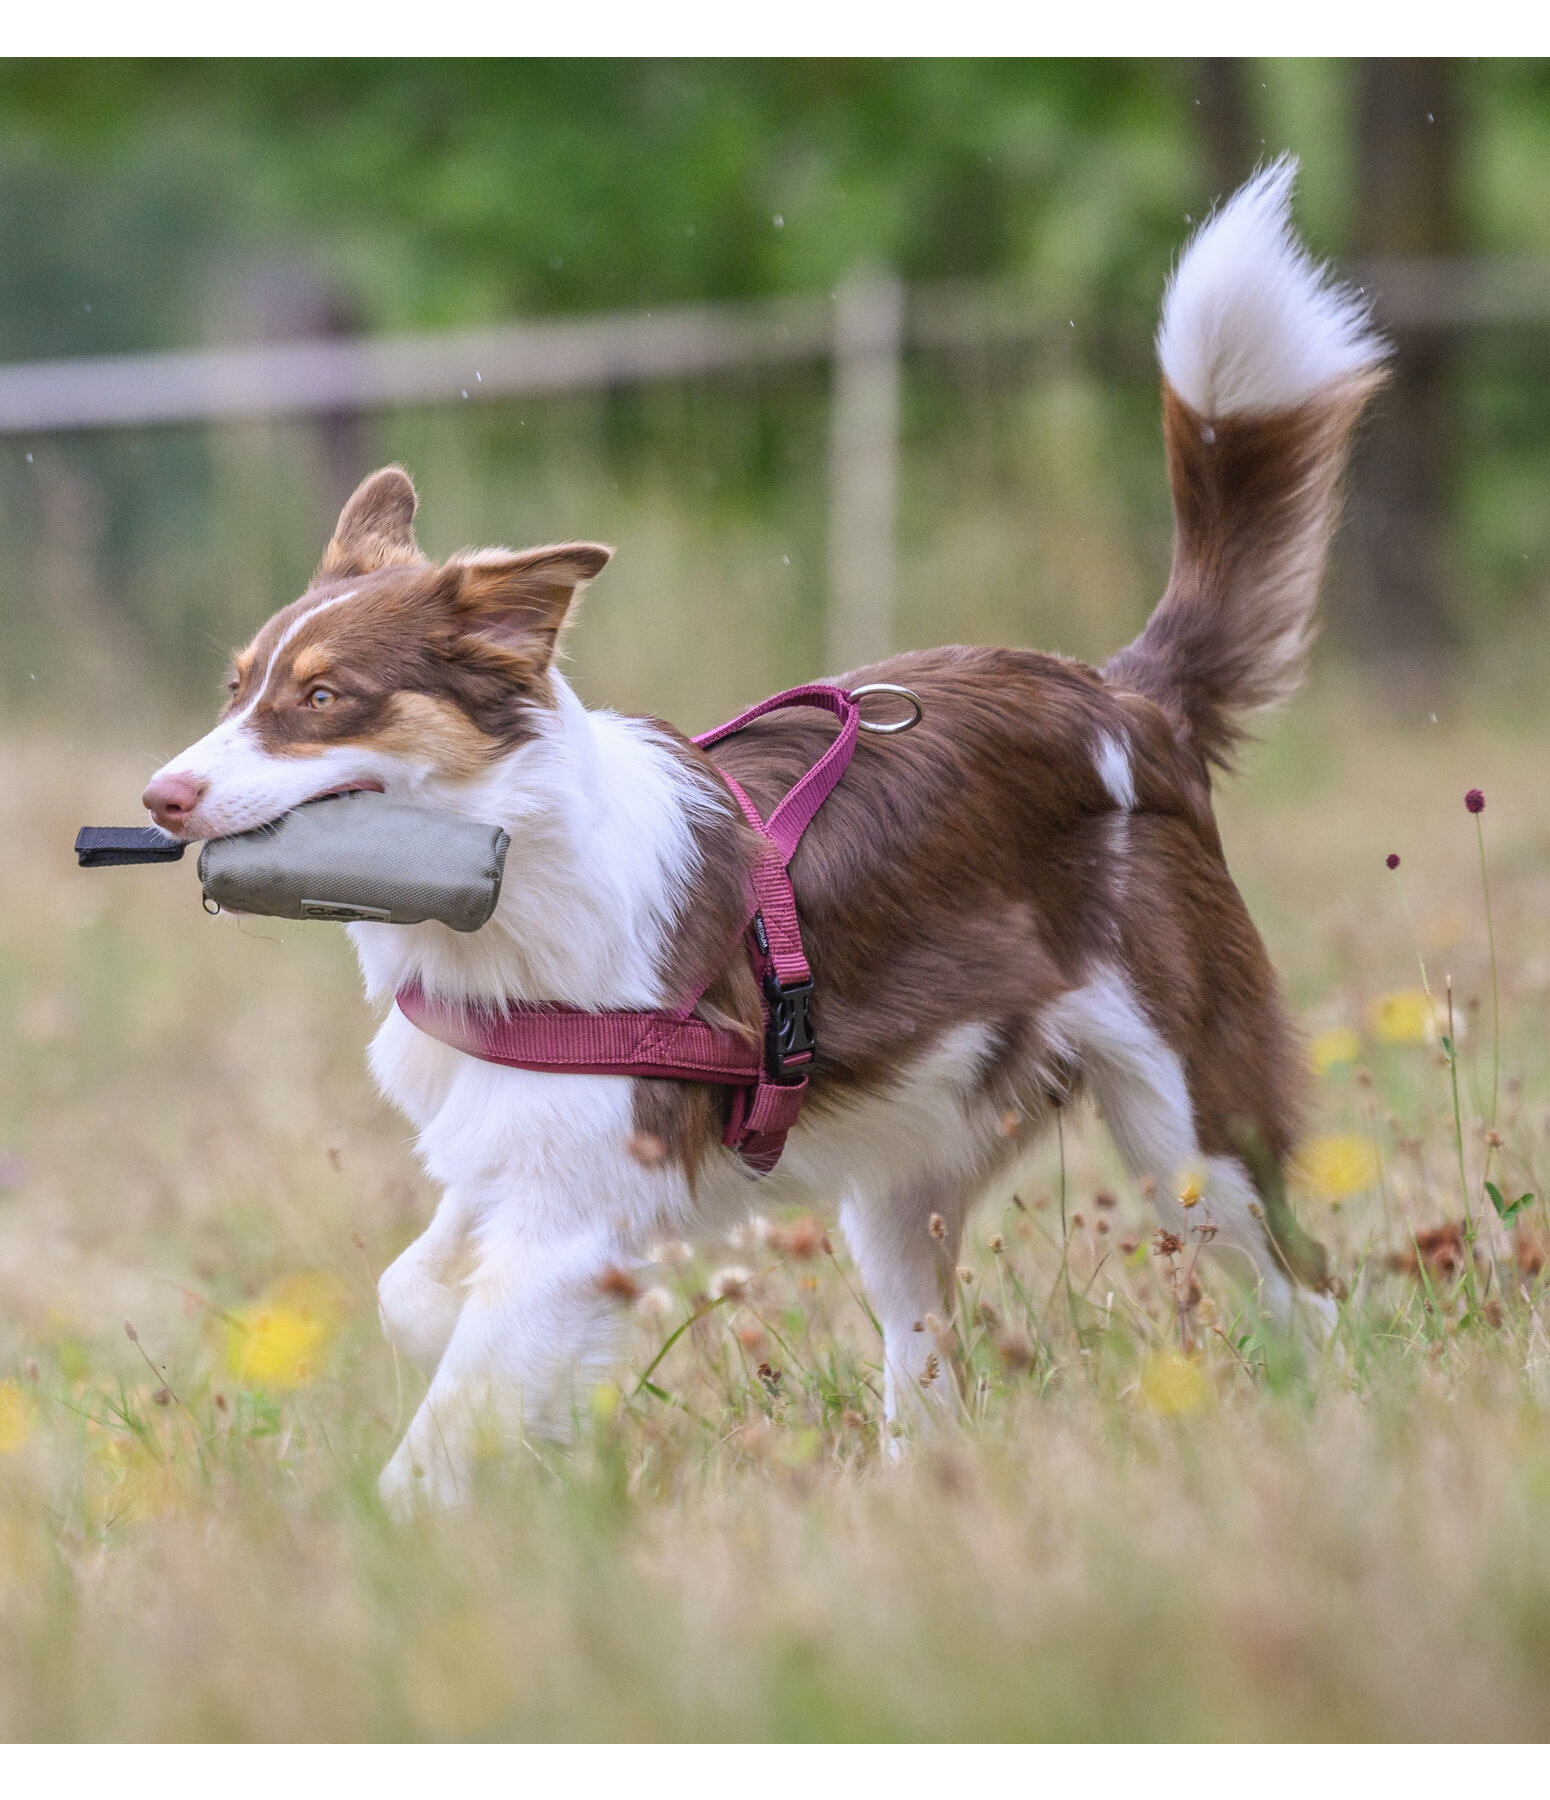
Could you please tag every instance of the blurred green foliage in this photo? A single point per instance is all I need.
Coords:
(454, 192)
(150, 205)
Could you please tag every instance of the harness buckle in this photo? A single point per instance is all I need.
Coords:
(790, 1041)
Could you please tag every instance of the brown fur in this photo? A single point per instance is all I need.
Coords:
(467, 644)
(970, 871)
(967, 871)
(1255, 500)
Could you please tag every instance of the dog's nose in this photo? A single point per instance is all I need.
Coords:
(171, 798)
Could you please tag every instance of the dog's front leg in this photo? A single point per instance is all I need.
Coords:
(421, 1292)
(536, 1325)
(905, 1242)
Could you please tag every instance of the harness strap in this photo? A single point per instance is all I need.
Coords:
(567, 1039)
(795, 813)
(768, 1087)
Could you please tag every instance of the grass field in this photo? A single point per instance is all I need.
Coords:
(1154, 1522)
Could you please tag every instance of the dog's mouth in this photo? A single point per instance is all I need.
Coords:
(345, 787)
(195, 828)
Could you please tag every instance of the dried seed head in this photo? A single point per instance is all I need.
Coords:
(730, 1283)
(162, 1396)
(965, 1273)
(1105, 1200)
(1494, 1139)
(937, 1226)
(1166, 1243)
(220, 1403)
(655, 1303)
(131, 1333)
(802, 1239)
(618, 1284)
(647, 1149)
(997, 1243)
(932, 1369)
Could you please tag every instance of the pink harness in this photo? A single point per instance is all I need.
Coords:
(767, 1089)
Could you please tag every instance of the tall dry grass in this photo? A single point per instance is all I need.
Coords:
(1155, 1521)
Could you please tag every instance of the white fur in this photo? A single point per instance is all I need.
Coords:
(600, 814)
(501, 1301)
(1138, 1082)
(1112, 761)
(1251, 324)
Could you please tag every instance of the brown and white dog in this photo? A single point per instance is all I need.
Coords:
(1024, 896)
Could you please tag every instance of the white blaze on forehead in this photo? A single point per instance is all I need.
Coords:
(286, 636)
(247, 785)
(1112, 760)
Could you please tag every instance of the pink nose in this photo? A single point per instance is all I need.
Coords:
(171, 798)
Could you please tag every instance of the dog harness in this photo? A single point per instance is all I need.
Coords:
(768, 1086)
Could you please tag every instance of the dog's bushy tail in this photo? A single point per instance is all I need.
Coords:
(1267, 364)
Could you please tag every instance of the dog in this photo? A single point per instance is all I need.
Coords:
(1023, 897)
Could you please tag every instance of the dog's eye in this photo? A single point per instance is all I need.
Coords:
(321, 697)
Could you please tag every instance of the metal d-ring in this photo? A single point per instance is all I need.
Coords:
(904, 693)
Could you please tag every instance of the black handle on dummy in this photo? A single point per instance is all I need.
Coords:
(112, 846)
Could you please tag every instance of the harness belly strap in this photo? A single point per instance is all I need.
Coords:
(768, 1081)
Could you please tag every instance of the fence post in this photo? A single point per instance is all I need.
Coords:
(864, 467)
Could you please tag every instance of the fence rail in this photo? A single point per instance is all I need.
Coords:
(862, 330)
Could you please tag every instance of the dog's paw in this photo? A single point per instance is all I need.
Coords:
(412, 1486)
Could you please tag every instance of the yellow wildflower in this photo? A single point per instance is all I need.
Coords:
(1330, 1049)
(1402, 1017)
(1192, 1185)
(1171, 1384)
(278, 1341)
(15, 1417)
(1337, 1166)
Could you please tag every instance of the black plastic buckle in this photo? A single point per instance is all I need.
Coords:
(789, 1034)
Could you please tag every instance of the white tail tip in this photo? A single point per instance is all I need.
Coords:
(1250, 323)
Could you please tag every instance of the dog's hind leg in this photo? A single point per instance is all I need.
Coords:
(1158, 1113)
(905, 1244)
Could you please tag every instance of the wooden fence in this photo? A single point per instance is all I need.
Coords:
(863, 330)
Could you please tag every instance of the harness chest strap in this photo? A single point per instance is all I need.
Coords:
(768, 1088)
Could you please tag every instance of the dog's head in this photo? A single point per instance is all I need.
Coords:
(390, 672)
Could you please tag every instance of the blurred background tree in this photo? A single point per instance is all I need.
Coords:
(151, 205)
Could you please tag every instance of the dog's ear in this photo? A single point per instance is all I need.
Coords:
(517, 601)
(375, 529)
